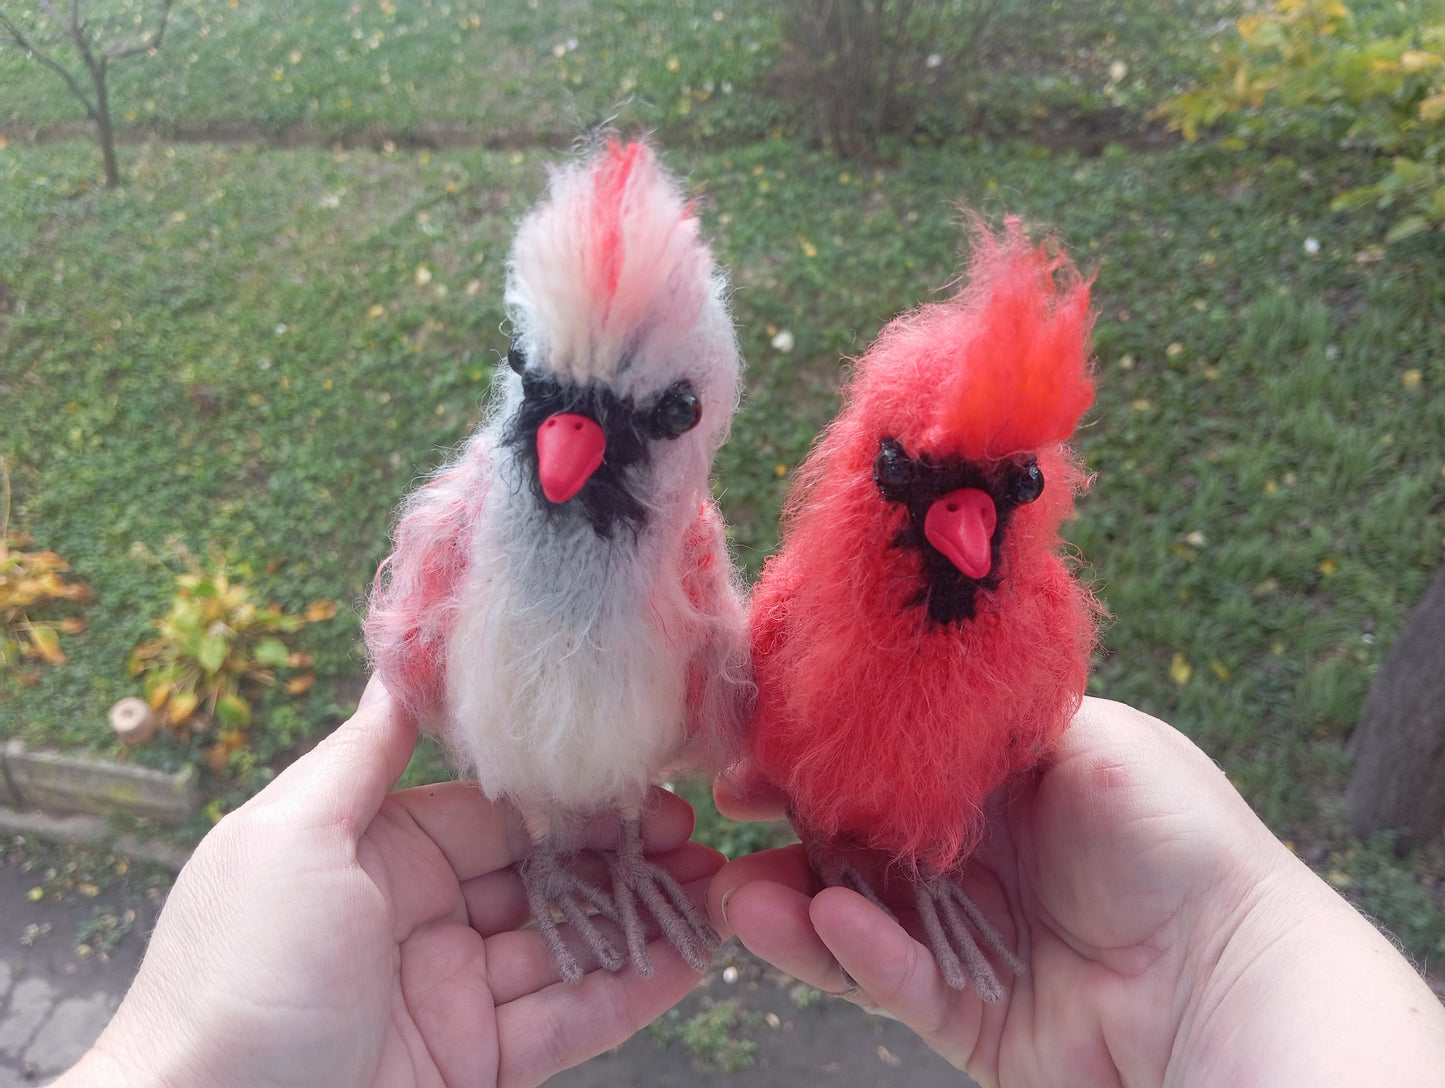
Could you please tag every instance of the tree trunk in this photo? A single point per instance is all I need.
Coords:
(104, 126)
(1399, 744)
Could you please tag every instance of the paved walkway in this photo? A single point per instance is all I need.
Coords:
(54, 995)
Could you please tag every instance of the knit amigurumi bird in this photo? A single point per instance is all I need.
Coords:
(919, 639)
(559, 605)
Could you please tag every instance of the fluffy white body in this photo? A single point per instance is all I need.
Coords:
(567, 678)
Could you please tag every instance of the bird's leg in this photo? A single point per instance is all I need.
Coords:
(836, 871)
(946, 911)
(634, 877)
(549, 882)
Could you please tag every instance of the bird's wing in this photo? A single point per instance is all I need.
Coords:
(771, 607)
(720, 691)
(414, 601)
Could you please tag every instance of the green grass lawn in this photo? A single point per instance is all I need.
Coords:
(258, 349)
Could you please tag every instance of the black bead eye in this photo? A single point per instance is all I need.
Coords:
(676, 413)
(516, 359)
(892, 471)
(1028, 484)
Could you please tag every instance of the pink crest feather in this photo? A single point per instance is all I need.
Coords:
(614, 249)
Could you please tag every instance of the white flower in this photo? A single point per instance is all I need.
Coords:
(783, 342)
(1312, 246)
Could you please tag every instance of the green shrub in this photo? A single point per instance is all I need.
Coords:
(1315, 70)
(215, 648)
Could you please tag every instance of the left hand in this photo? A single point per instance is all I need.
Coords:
(330, 933)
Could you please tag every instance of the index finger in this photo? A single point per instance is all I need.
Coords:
(479, 836)
(740, 793)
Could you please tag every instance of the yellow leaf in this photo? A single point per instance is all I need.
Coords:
(301, 683)
(1327, 566)
(1221, 670)
(1411, 378)
(47, 644)
(158, 695)
(1180, 670)
(181, 706)
(317, 611)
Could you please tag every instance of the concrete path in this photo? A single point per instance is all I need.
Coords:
(57, 991)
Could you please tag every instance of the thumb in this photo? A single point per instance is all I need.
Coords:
(345, 777)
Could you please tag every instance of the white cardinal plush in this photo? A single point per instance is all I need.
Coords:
(559, 605)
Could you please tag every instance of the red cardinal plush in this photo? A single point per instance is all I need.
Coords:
(919, 639)
(559, 605)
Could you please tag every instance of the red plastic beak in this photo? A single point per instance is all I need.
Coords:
(569, 449)
(961, 525)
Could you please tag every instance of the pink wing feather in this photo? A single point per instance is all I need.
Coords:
(414, 604)
(719, 688)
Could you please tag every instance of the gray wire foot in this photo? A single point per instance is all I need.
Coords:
(549, 882)
(636, 878)
(947, 914)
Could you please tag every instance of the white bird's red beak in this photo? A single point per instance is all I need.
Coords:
(569, 450)
(960, 525)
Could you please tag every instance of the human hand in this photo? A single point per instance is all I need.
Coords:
(1169, 937)
(327, 933)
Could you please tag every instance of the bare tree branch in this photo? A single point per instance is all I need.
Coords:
(60, 20)
(22, 40)
(153, 42)
(96, 55)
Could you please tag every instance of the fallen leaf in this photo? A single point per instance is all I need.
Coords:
(301, 683)
(47, 644)
(1180, 669)
(317, 611)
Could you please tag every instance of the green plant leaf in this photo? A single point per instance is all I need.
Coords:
(232, 711)
(211, 650)
(1407, 227)
(271, 652)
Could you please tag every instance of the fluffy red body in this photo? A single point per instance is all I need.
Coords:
(885, 728)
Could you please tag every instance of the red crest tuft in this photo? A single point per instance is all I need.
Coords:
(610, 176)
(1000, 368)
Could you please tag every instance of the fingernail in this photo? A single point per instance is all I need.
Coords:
(375, 691)
(723, 906)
